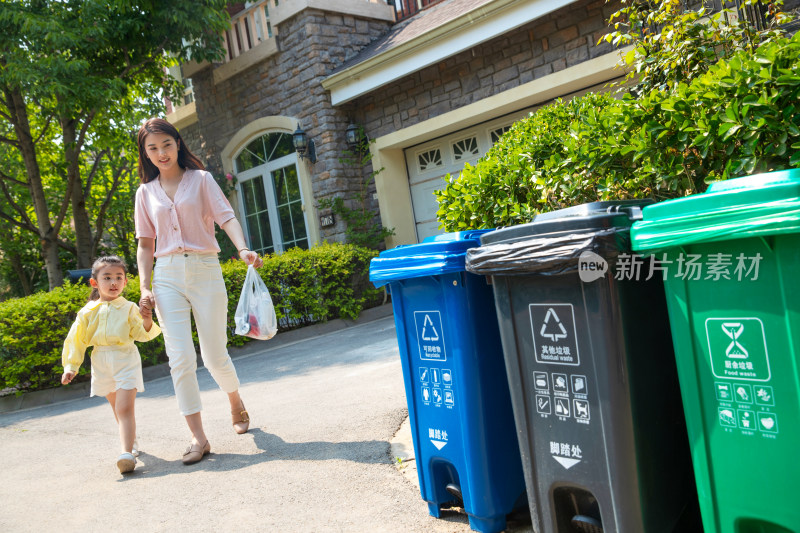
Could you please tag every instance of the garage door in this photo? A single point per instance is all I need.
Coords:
(430, 162)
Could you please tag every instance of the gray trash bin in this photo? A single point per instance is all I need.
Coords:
(592, 374)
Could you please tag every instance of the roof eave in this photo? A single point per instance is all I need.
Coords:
(462, 33)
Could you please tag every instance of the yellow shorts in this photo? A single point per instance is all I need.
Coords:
(116, 367)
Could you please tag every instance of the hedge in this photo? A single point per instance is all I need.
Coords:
(307, 286)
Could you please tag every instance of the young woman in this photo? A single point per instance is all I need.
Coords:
(177, 205)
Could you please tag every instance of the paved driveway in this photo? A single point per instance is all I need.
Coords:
(317, 458)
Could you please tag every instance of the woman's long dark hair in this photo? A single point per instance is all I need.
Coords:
(186, 159)
(99, 264)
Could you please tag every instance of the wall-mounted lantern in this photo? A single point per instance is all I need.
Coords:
(303, 145)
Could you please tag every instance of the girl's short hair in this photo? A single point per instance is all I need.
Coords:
(101, 263)
(186, 159)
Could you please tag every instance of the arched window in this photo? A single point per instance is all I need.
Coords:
(270, 194)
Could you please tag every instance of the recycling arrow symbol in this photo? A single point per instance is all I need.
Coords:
(429, 332)
(553, 336)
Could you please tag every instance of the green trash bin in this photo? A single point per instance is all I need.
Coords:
(730, 259)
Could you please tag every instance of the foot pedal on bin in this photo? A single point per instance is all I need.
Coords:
(586, 524)
(455, 490)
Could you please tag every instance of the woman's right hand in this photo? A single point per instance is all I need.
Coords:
(66, 377)
(250, 258)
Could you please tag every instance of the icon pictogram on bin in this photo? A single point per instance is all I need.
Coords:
(430, 336)
(555, 339)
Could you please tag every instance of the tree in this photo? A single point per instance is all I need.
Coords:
(111, 197)
(18, 273)
(672, 43)
(67, 66)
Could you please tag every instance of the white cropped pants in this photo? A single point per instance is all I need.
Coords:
(186, 284)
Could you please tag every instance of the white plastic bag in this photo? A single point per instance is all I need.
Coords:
(255, 314)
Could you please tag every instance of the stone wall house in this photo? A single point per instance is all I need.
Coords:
(432, 91)
(439, 89)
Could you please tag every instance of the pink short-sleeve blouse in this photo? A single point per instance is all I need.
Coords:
(187, 223)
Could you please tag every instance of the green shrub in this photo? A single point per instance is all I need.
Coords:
(539, 164)
(741, 117)
(307, 286)
(32, 333)
(672, 43)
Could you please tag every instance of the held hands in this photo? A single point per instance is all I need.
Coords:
(250, 257)
(146, 306)
(66, 377)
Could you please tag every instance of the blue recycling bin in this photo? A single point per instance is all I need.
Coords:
(459, 403)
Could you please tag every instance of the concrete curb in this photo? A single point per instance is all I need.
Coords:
(29, 400)
(401, 451)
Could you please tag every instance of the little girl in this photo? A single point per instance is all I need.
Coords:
(111, 323)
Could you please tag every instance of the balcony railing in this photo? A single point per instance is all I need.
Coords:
(248, 28)
(408, 8)
(251, 26)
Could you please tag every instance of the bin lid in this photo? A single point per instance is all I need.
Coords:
(585, 217)
(554, 242)
(762, 204)
(438, 254)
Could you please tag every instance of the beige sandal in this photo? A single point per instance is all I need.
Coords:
(241, 421)
(195, 453)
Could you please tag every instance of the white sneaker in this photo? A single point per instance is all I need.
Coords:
(135, 450)
(126, 462)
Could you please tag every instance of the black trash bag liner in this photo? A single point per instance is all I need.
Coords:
(549, 255)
